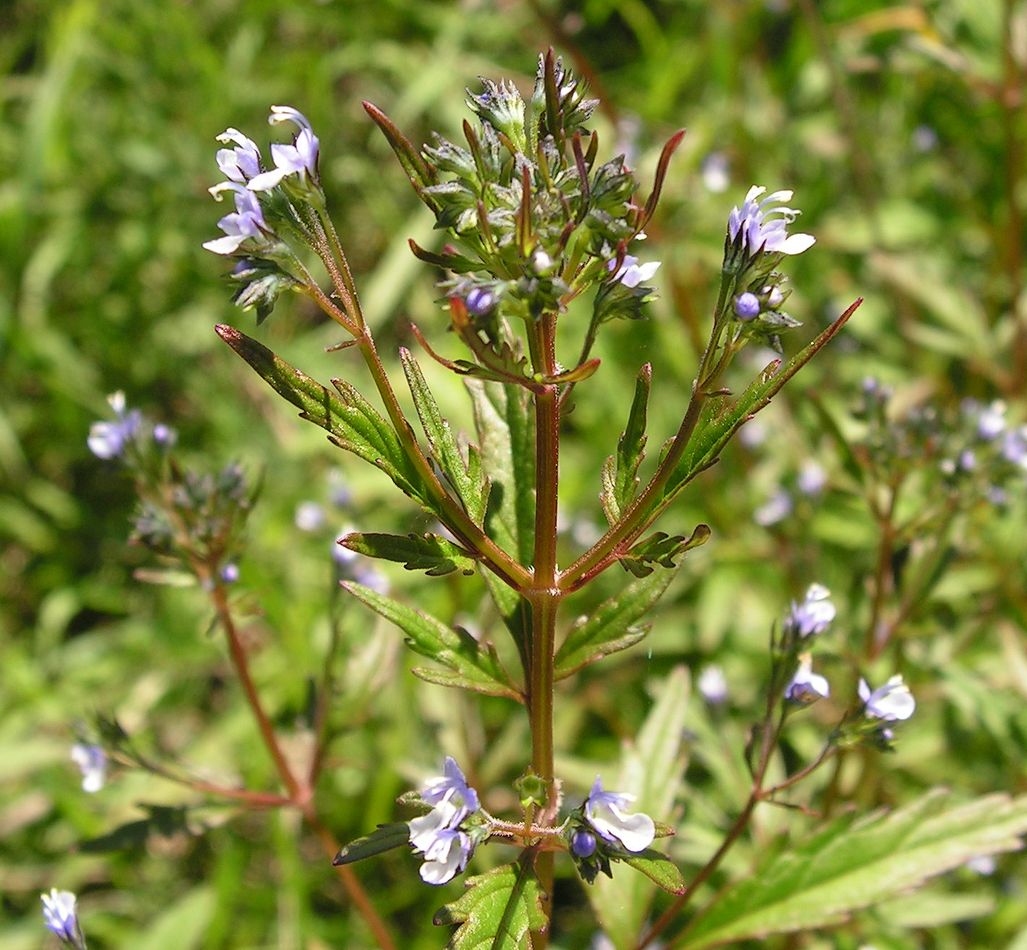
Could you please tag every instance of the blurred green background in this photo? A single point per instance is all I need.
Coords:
(901, 128)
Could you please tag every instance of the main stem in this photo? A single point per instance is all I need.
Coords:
(544, 594)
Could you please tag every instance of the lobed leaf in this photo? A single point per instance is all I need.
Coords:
(470, 665)
(663, 550)
(383, 838)
(612, 626)
(852, 865)
(350, 420)
(498, 910)
(416, 552)
(465, 474)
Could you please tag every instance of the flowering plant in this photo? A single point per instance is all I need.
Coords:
(536, 226)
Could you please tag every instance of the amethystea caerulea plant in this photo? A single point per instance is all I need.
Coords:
(534, 219)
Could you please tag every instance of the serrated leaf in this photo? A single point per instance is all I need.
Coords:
(663, 550)
(612, 626)
(383, 838)
(719, 422)
(620, 474)
(350, 420)
(498, 910)
(416, 552)
(465, 475)
(652, 771)
(471, 665)
(852, 865)
(506, 434)
(663, 872)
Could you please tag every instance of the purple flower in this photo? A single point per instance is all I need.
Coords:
(774, 509)
(813, 615)
(59, 916)
(480, 301)
(713, 685)
(92, 763)
(631, 273)
(299, 159)
(890, 702)
(230, 573)
(241, 163)
(805, 686)
(604, 811)
(164, 435)
(991, 422)
(108, 440)
(247, 222)
(812, 478)
(763, 227)
(437, 835)
(716, 172)
(310, 517)
(747, 306)
(583, 844)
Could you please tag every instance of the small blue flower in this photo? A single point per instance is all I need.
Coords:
(298, 159)
(890, 702)
(806, 687)
(764, 228)
(230, 573)
(241, 163)
(583, 844)
(747, 306)
(712, 685)
(247, 223)
(480, 302)
(813, 615)
(309, 517)
(164, 435)
(437, 835)
(631, 273)
(604, 811)
(108, 440)
(59, 916)
(92, 763)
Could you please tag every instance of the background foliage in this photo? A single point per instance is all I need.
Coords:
(901, 129)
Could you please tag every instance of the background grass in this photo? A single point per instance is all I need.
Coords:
(900, 127)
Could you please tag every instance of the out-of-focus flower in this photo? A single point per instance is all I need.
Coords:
(241, 163)
(983, 864)
(164, 435)
(1014, 446)
(605, 812)
(631, 273)
(812, 478)
(310, 516)
(891, 702)
(60, 917)
(762, 226)
(925, 139)
(715, 171)
(298, 159)
(806, 687)
(813, 615)
(747, 306)
(774, 509)
(92, 763)
(437, 835)
(108, 440)
(712, 685)
(991, 421)
(246, 223)
(230, 573)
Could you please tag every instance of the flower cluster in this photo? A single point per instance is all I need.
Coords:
(440, 835)
(604, 829)
(128, 437)
(805, 621)
(60, 917)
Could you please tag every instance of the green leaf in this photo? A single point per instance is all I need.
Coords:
(659, 869)
(506, 433)
(620, 473)
(652, 771)
(497, 911)
(662, 549)
(416, 552)
(464, 474)
(383, 838)
(719, 422)
(350, 420)
(471, 665)
(852, 865)
(612, 627)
